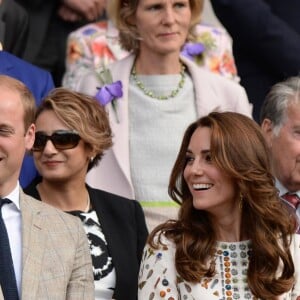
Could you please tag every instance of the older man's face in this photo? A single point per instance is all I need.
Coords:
(285, 149)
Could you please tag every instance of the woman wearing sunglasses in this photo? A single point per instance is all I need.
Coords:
(72, 133)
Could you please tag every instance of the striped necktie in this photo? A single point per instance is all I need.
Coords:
(293, 199)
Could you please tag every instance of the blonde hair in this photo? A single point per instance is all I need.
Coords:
(26, 97)
(122, 11)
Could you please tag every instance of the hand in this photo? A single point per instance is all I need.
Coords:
(68, 14)
(90, 10)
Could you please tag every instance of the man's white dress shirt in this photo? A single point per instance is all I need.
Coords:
(12, 218)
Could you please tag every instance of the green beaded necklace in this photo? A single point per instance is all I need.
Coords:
(173, 93)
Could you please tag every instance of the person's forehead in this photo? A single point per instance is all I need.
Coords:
(9, 95)
(10, 100)
(293, 112)
(291, 119)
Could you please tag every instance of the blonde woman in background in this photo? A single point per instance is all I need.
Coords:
(162, 92)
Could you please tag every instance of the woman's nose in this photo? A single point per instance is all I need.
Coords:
(169, 15)
(197, 168)
(49, 148)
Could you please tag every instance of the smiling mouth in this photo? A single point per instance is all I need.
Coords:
(51, 162)
(202, 186)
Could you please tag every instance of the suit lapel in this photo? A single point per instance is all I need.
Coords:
(111, 231)
(120, 127)
(33, 245)
(202, 91)
(108, 223)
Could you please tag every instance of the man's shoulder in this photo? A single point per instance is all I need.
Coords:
(13, 11)
(109, 199)
(117, 205)
(46, 211)
(38, 80)
(18, 62)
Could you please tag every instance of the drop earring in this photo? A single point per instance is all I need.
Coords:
(241, 201)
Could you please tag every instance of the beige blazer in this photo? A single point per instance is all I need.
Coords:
(213, 92)
(55, 254)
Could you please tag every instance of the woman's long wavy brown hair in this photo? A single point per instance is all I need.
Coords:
(237, 148)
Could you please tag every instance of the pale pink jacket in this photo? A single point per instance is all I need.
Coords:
(213, 93)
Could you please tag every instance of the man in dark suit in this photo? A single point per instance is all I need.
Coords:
(13, 27)
(39, 83)
(266, 42)
(50, 22)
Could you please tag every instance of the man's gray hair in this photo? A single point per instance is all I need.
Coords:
(277, 101)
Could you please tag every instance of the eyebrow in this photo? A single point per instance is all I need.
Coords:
(205, 151)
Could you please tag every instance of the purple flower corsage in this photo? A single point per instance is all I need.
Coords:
(191, 50)
(110, 91)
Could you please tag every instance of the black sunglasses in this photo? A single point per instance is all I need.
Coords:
(61, 139)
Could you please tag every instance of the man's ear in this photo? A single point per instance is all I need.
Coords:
(267, 130)
(29, 137)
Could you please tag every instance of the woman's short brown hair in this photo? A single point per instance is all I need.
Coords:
(83, 114)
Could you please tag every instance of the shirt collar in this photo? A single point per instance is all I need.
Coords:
(14, 196)
(283, 190)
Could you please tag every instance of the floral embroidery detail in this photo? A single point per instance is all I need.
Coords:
(110, 91)
(89, 31)
(75, 52)
(100, 49)
(158, 278)
(211, 49)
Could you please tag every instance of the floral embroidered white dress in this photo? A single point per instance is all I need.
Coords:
(158, 278)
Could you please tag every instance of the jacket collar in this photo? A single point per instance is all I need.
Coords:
(33, 244)
(120, 129)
